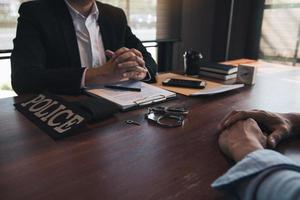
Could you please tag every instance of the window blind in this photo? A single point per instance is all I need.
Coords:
(169, 15)
(281, 32)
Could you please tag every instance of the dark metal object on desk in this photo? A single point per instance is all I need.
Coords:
(170, 110)
(131, 122)
(192, 62)
(167, 117)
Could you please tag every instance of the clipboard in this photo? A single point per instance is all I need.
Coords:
(129, 100)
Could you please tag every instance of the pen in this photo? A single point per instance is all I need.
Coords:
(123, 88)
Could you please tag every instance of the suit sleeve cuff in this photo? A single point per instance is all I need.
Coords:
(83, 78)
(252, 164)
(148, 76)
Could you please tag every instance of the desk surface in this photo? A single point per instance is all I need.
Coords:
(113, 160)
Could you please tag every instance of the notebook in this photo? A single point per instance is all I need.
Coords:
(217, 68)
(217, 75)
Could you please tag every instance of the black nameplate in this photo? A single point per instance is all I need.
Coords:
(53, 115)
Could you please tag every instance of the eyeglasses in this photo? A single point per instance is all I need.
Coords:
(168, 117)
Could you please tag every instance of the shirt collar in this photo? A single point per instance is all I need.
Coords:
(75, 13)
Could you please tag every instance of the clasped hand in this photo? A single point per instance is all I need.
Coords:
(123, 64)
(243, 132)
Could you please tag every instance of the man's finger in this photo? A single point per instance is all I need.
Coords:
(131, 75)
(138, 69)
(275, 137)
(126, 56)
(141, 61)
(123, 50)
(119, 52)
(137, 75)
(109, 53)
(221, 125)
(137, 52)
(128, 65)
(258, 116)
(241, 115)
(141, 69)
(135, 69)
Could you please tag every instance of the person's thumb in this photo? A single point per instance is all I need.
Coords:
(275, 137)
(110, 54)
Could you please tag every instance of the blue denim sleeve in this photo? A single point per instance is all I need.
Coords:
(263, 174)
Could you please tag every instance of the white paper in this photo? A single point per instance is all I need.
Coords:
(127, 99)
(217, 90)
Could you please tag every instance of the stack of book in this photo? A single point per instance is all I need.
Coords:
(219, 71)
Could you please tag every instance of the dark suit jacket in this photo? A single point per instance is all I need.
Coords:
(46, 55)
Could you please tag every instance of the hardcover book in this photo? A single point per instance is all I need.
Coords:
(217, 75)
(218, 68)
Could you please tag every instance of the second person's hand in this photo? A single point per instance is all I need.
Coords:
(276, 126)
(241, 138)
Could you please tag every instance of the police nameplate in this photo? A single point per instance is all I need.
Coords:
(53, 115)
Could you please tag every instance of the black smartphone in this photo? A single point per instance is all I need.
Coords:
(184, 83)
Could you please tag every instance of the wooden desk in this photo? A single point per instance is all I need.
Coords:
(113, 160)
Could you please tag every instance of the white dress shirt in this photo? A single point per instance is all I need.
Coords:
(89, 39)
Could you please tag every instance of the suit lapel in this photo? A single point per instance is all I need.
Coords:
(69, 34)
(105, 28)
(66, 24)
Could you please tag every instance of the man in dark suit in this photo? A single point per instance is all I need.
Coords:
(63, 45)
